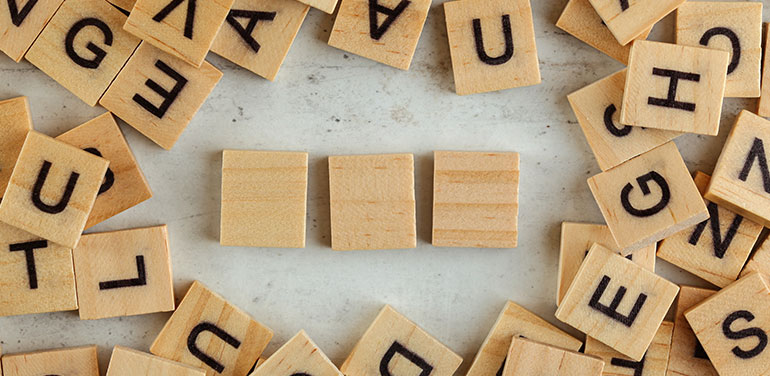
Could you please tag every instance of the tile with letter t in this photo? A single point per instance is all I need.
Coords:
(129, 362)
(84, 47)
(687, 356)
(21, 21)
(760, 260)
(15, 123)
(299, 356)
(158, 94)
(52, 189)
(763, 104)
(617, 302)
(627, 19)
(80, 361)
(654, 363)
(492, 44)
(531, 358)
(208, 332)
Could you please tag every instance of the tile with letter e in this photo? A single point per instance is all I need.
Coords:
(21, 21)
(84, 47)
(396, 344)
(734, 27)
(763, 105)
(627, 19)
(648, 198)
(530, 358)
(617, 302)
(15, 123)
(129, 362)
(492, 44)
(208, 332)
(299, 356)
(158, 94)
(515, 321)
(372, 202)
(687, 355)
(674, 87)
(732, 326)
(80, 361)
(760, 260)
(257, 34)
(654, 363)
(52, 189)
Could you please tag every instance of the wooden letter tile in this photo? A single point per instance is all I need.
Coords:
(687, 355)
(654, 363)
(760, 261)
(80, 361)
(129, 362)
(126, 5)
(492, 43)
(264, 197)
(15, 123)
(326, 6)
(19, 28)
(530, 358)
(763, 108)
(299, 356)
(627, 19)
(372, 202)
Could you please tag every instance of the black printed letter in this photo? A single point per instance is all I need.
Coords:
(638, 367)
(109, 176)
(643, 184)
(674, 77)
(720, 246)
(623, 5)
(704, 40)
(140, 280)
(215, 330)
(757, 152)
(507, 34)
(376, 32)
(611, 310)
(29, 251)
(99, 54)
(168, 96)
(245, 32)
(397, 348)
(18, 17)
(38, 187)
(745, 333)
(189, 20)
(618, 132)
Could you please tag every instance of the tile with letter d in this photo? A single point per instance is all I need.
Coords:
(627, 19)
(21, 21)
(129, 362)
(687, 356)
(531, 358)
(299, 356)
(15, 123)
(80, 361)
(654, 363)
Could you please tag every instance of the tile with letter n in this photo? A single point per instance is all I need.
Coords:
(52, 189)
(516, 321)
(208, 332)
(735, 27)
(627, 19)
(84, 47)
(158, 94)
(531, 358)
(687, 355)
(648, 198)
(617, 302)
(15, 123)
(257, 34)
(733, 325)
(654, 363)
(674, 87)
(80, 361)
(760, 260)
(21, 21)
(763, 104)
(715, 249)
(492, 44)
(130, 362)
(299, 356)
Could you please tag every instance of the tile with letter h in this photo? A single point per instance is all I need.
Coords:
(15, 123)
(654, 362)
(530, 358)
(299, 356)
(627, 19)
(80, 361)
(129, 362)
(21, 21)
(687, 356)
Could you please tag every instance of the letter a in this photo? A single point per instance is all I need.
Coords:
(397, 348)
(375, 31)
(245, 32)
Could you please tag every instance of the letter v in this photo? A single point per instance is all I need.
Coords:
(18, 17)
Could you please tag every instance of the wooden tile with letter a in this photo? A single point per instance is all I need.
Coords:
(627, 19)
(299, 356)
(15, 123)
(129, 362)
(760, 260)
(687, 355)
(21, 21)
(654, 363)
(80, 361)
(530, 358)
(617, 302)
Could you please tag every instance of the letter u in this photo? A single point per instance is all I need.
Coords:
(479, 39)
(65, 197)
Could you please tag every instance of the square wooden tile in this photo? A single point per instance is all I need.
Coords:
(734, 27)
(79, 361)
(628, 321)
(52, 189)
(397, 344)
(687, 355)
(84, 47)
(391, 40)
(492, 44)
(129, 362)
(227, 340)
(126, 5)
(372, 202)
(628, 19)
(763, 105)
(124, 185)
(299, 356)
(158, 94)
(19, 26)
(15, 123)
(530, 358)
(648, 198)
(674, 87)
(760, 261)
(654, 363)
(260, 47)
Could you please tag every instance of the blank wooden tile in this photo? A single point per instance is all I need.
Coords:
(763, 105)
(687, 356)
(628, 19)
(262, 48)
(158, 94)
(760, 260)
(674, 87)
(126, 5)
(125, 185)
(397, 344)
(80, 361)
(227, 340)
(15, 123)
(515, 321)
(654, 363)
(728, 26)
(52, 189)
(391, 41)
(597, 108)
(475, 199)
(129, 362)
(648, 198)
(492, 44)
(530, 358)
(372, 202)
(264, 199)
(732, 326)
(299, 356)
(19, 29)
(87, 63)
(628, 321)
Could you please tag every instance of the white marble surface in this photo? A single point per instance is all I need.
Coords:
(326, 102)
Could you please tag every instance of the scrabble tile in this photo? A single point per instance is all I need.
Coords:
(648, 198)
(674, 87)
(208, 332)
(515, 321)
(124, 185)
(687, 355)
(732, 326)
(257, 34)
(21, 21)
(158, 94)
(728, 26)
(264, 199)
(394, 343)
(577, 239)
(52, 189)
(15, 123)
(715, 249)
(390, 40)
(475, 199)
(84, 47)
(627, 322)
(79, 361)
(492, 44)
(628, 19)
(185, 29)
(126, 5)
(299, 356)
(129, 362)
(760, 261)
(597, 108)
(654, 363)
(530, 358)
(763, 105)
(372, 202)
(37, 275)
